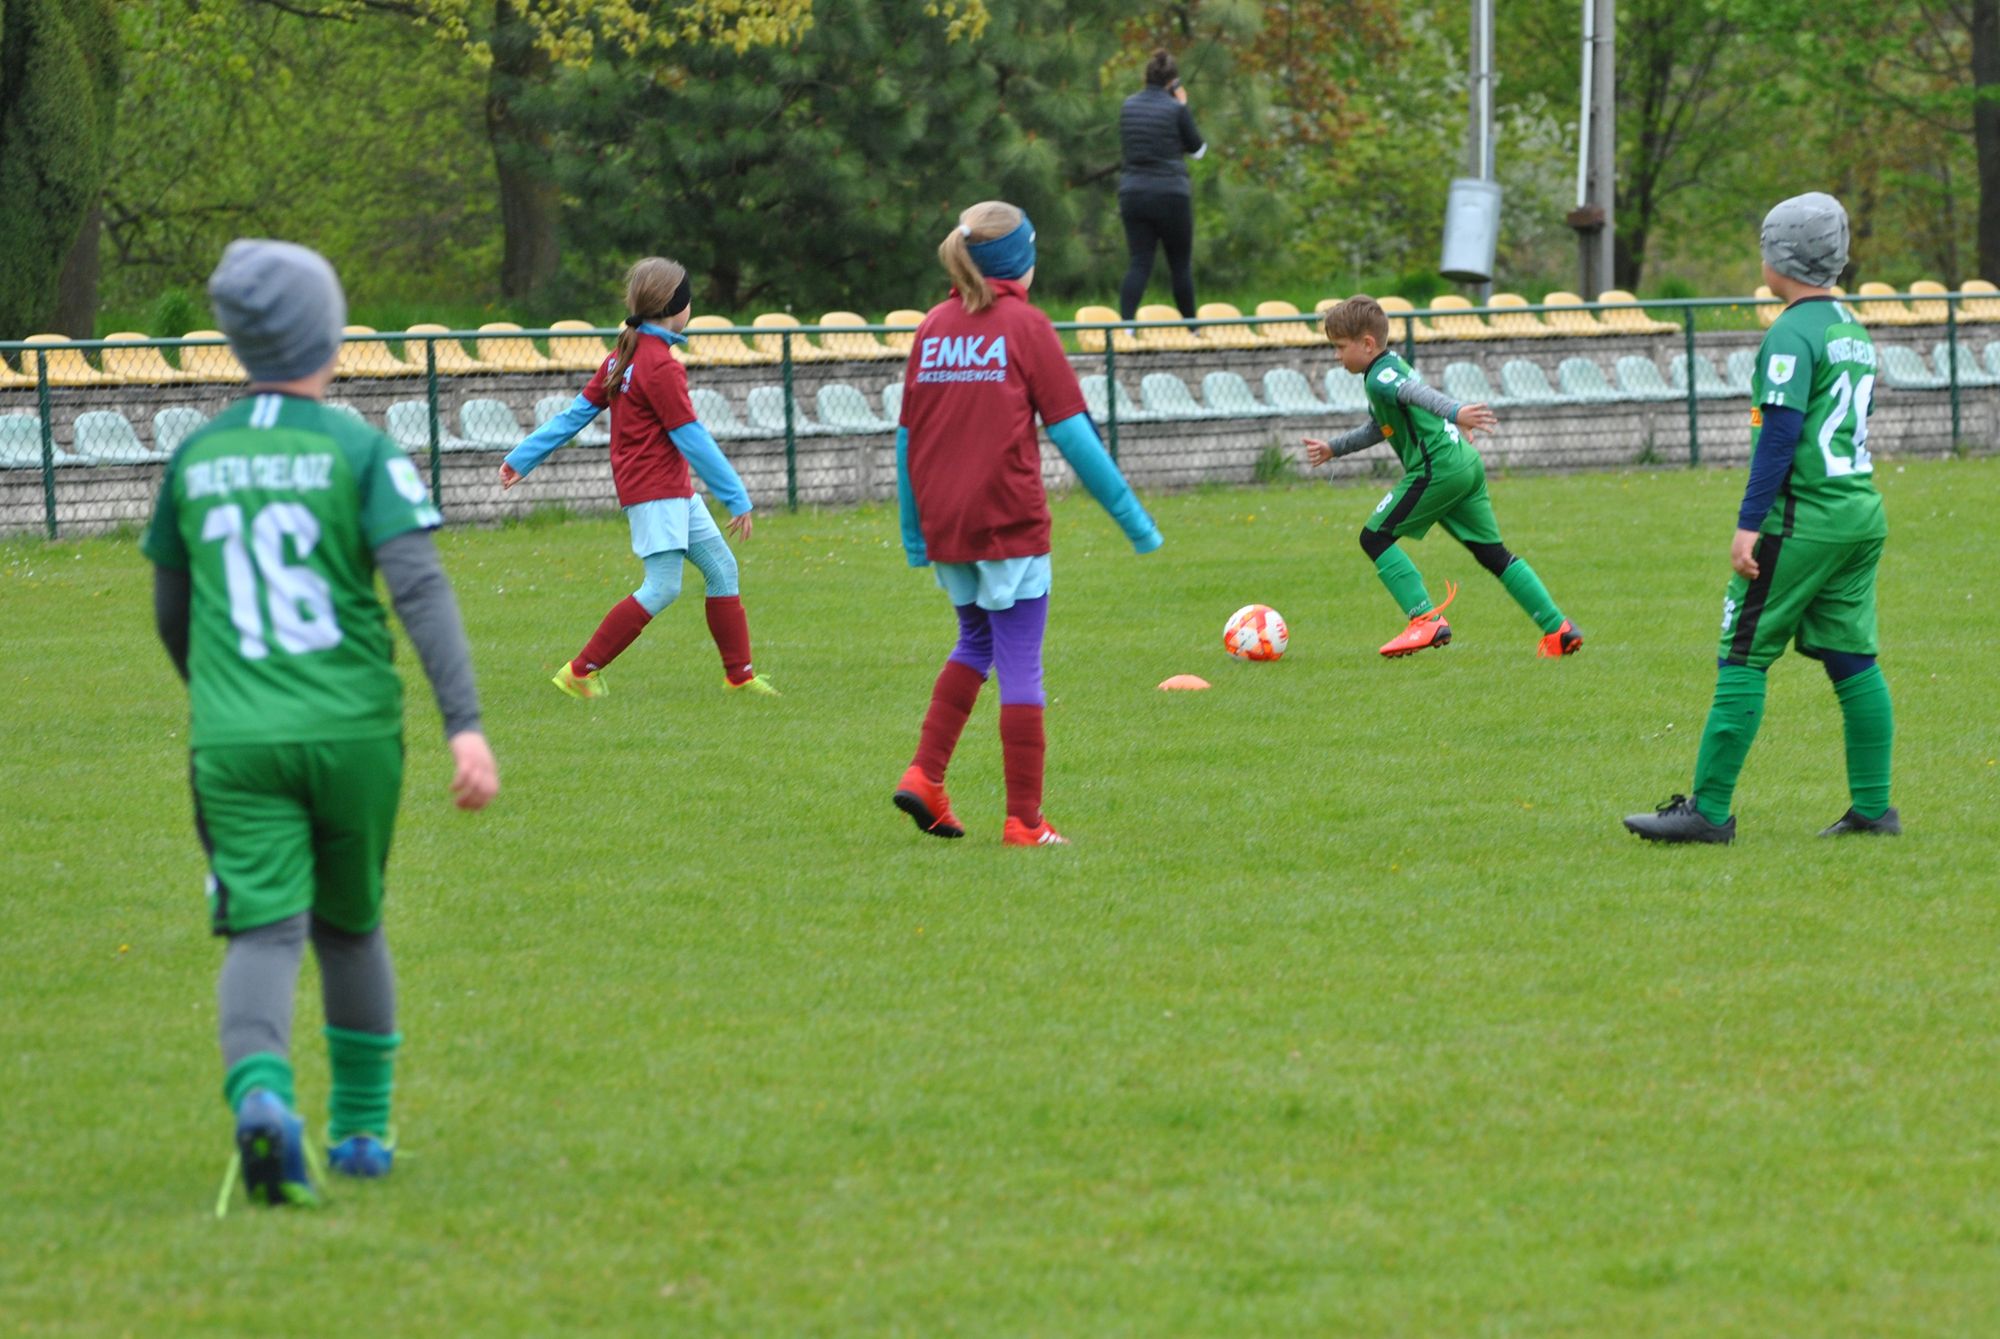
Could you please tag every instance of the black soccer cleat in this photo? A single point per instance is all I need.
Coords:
(1852, 824)
(1679, 821)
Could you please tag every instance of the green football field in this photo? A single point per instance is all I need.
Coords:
(1352, 1010)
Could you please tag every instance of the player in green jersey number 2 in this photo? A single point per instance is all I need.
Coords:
(271, 524)
(1808, 538)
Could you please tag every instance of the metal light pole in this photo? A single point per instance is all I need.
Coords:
(1472, 213)
(1597, 150)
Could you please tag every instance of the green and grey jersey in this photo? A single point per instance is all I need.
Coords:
(1423, 440)
(1817, 359)
(275, 509)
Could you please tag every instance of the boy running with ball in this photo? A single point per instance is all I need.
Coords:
(1444, 481)
(1808, 537)
(271, 525)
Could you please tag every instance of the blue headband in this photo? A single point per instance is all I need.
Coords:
(1007, 257)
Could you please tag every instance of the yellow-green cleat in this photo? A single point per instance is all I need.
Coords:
(757, 684)
(584, 687)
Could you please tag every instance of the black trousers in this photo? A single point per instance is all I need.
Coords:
(1157, 220)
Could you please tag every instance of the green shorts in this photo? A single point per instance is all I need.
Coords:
(297, 827)
(1458, 500)
(1820, 592)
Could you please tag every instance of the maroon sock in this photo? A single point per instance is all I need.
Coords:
(1022, 746)
(952, 696)
(627, 619)
(731, 631)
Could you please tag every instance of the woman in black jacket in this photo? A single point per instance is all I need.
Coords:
(1155, 199)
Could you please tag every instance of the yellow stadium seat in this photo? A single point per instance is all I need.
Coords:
(1400, 324)
(1226, 336)
(1166, 336)
(858, 344)
(1454, 319)
(1092, 341)
(902, 340)
(772, 345)
(576, 353)
(1927, 302)
(1298, 334)
(1515, 324)
(1631, 320)
(507, 355)
(1878, 304)
(368, 357)
(67, 367)
(720, 350)
(12, 380)
(1983, 302)
(142, 366)
(211, 362)
(1567, 322)
(452, 359)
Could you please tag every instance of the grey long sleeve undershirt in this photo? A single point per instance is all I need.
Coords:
(424, 602)
(1410, 393)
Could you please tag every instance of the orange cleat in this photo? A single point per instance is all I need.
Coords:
(925, 801)
(1017, 833)
(1564, 641)
(1426, 630)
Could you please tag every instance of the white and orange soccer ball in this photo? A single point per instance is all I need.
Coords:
(1255, 632)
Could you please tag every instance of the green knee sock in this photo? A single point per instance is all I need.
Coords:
(1732, 728)
(1871, 733)
(259, 1070)
(364, 1065)
(1405, 582)
(1529, 592)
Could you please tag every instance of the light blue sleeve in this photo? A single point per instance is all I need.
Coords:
(906, 503)
(1076, 438)
(537, 445)
(694, 442)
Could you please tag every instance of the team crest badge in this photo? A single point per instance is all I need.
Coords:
(1780, 369)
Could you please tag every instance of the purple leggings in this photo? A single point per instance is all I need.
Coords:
(1010, 639)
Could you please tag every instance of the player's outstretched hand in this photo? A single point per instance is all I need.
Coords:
(476, 778)
(1476, 418)
(1743, 554)
(509, 476)
(739, 526)
(1317, 452)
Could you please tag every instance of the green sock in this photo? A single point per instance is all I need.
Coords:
(1405, 582)
(1529, 592)
(1732, 728)
(1871, 732)
(364, 1065)
(261, 1069)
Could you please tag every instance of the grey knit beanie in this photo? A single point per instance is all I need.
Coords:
(281, 306)
(1805, 238)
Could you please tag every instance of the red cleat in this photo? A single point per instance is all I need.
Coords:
(1017, 833)
(1426, 630)
(1564, 641)
(925, 801)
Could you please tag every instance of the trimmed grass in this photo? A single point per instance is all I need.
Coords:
(1351, 1011)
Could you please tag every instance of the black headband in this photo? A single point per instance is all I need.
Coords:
(677, 304)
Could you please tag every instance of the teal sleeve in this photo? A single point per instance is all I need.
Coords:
(906, 504)
(698, 446)
(1076, 437)
(537, 445)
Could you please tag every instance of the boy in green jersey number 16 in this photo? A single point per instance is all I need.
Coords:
(271, 524)
(1444, 482)
(1808, 538)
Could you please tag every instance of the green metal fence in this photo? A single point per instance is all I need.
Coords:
(809, 412)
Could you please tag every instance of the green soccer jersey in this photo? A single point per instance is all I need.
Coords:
(1819, 360)
(275, 509)
(1425, 443)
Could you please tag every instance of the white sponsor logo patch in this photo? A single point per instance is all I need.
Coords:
(1387, 376)
(1780, 369)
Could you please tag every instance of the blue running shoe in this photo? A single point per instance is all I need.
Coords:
(271, 1146)
(362, 1156)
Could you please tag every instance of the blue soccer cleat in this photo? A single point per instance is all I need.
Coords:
(362, 1156)
(271, 1152)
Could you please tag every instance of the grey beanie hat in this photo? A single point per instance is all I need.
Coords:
(281, 306)
(1805, 238)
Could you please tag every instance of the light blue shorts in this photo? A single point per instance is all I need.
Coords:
(669, 523)
(995, 583)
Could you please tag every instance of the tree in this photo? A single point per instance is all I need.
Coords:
(58, 101)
